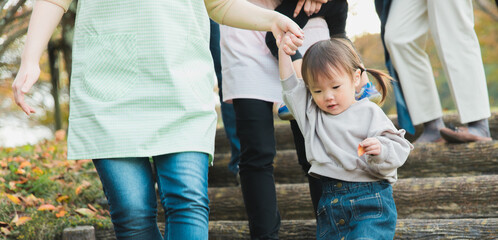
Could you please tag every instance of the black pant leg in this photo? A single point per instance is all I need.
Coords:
(335, 14)
(254, 121)
(315, 184)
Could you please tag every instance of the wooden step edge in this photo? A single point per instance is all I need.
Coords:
(480, 228)
(452, 197)
(426, 160)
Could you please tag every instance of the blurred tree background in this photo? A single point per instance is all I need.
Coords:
(50, 95)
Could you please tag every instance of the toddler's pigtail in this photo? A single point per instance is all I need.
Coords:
(382, 79)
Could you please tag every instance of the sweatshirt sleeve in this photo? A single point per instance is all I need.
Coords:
(395, 148)
(296, 98)
(64, 4)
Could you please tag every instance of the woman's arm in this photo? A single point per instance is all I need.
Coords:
(242, 14)
(44, 19)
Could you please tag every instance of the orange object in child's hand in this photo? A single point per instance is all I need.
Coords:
(361, 150)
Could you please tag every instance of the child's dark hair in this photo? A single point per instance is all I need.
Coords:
(339, 54)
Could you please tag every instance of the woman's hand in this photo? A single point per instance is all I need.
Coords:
(27, 76)
(310, 6)
(284, 25)
(45, 17)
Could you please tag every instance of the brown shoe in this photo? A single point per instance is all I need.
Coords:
(461, 135)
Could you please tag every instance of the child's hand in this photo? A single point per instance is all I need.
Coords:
(289, 43)
(371, 146)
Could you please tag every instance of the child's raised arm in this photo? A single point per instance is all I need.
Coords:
(285, 65)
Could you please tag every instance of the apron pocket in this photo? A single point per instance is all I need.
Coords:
(110, 65)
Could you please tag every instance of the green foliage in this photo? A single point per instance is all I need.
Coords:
(42, 192)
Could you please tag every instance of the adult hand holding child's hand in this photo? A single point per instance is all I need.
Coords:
(289, 43)
(286, 27)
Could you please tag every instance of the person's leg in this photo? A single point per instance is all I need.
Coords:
(452, 27)
(254, 121)
(227, 112)
(314, 183)
(405, 38)
(335, 14)
(129, 187)
(182, 179)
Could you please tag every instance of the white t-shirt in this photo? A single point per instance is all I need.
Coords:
(248, 68)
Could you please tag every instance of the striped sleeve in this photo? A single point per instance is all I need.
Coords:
(61, 3)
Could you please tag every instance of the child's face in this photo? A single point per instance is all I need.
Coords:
(335, 95)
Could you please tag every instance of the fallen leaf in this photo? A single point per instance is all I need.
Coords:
(61, 213)
(361, 150)
(46, 207)
(92, 207)
(18, 221)
(85, 212)
(5, 231)
(83, 185)
(62, 198)
(14, 199)
(30, 200)
(20, 171)
(24, 164)
(37, 170)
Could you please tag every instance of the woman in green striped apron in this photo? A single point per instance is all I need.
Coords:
(141, 86)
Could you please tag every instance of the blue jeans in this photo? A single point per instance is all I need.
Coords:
(356, 210)
(182, 180)
(227, 112)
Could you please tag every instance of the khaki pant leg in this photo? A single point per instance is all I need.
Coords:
(406, 34)
(451, 24)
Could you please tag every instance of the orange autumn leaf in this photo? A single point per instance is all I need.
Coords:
(61, 213)
(46, 207)
(37, 170)
(361, 150)
(20, 221)
(14, 199)
(20, 171)
(24, 164)
(83, 185)
(62, 198)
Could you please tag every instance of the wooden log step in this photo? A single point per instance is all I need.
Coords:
(430, 229)
(405, 229)
(426, 160)
(285, 139)
(422, 198)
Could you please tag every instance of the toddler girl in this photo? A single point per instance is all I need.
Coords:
(352, 145)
